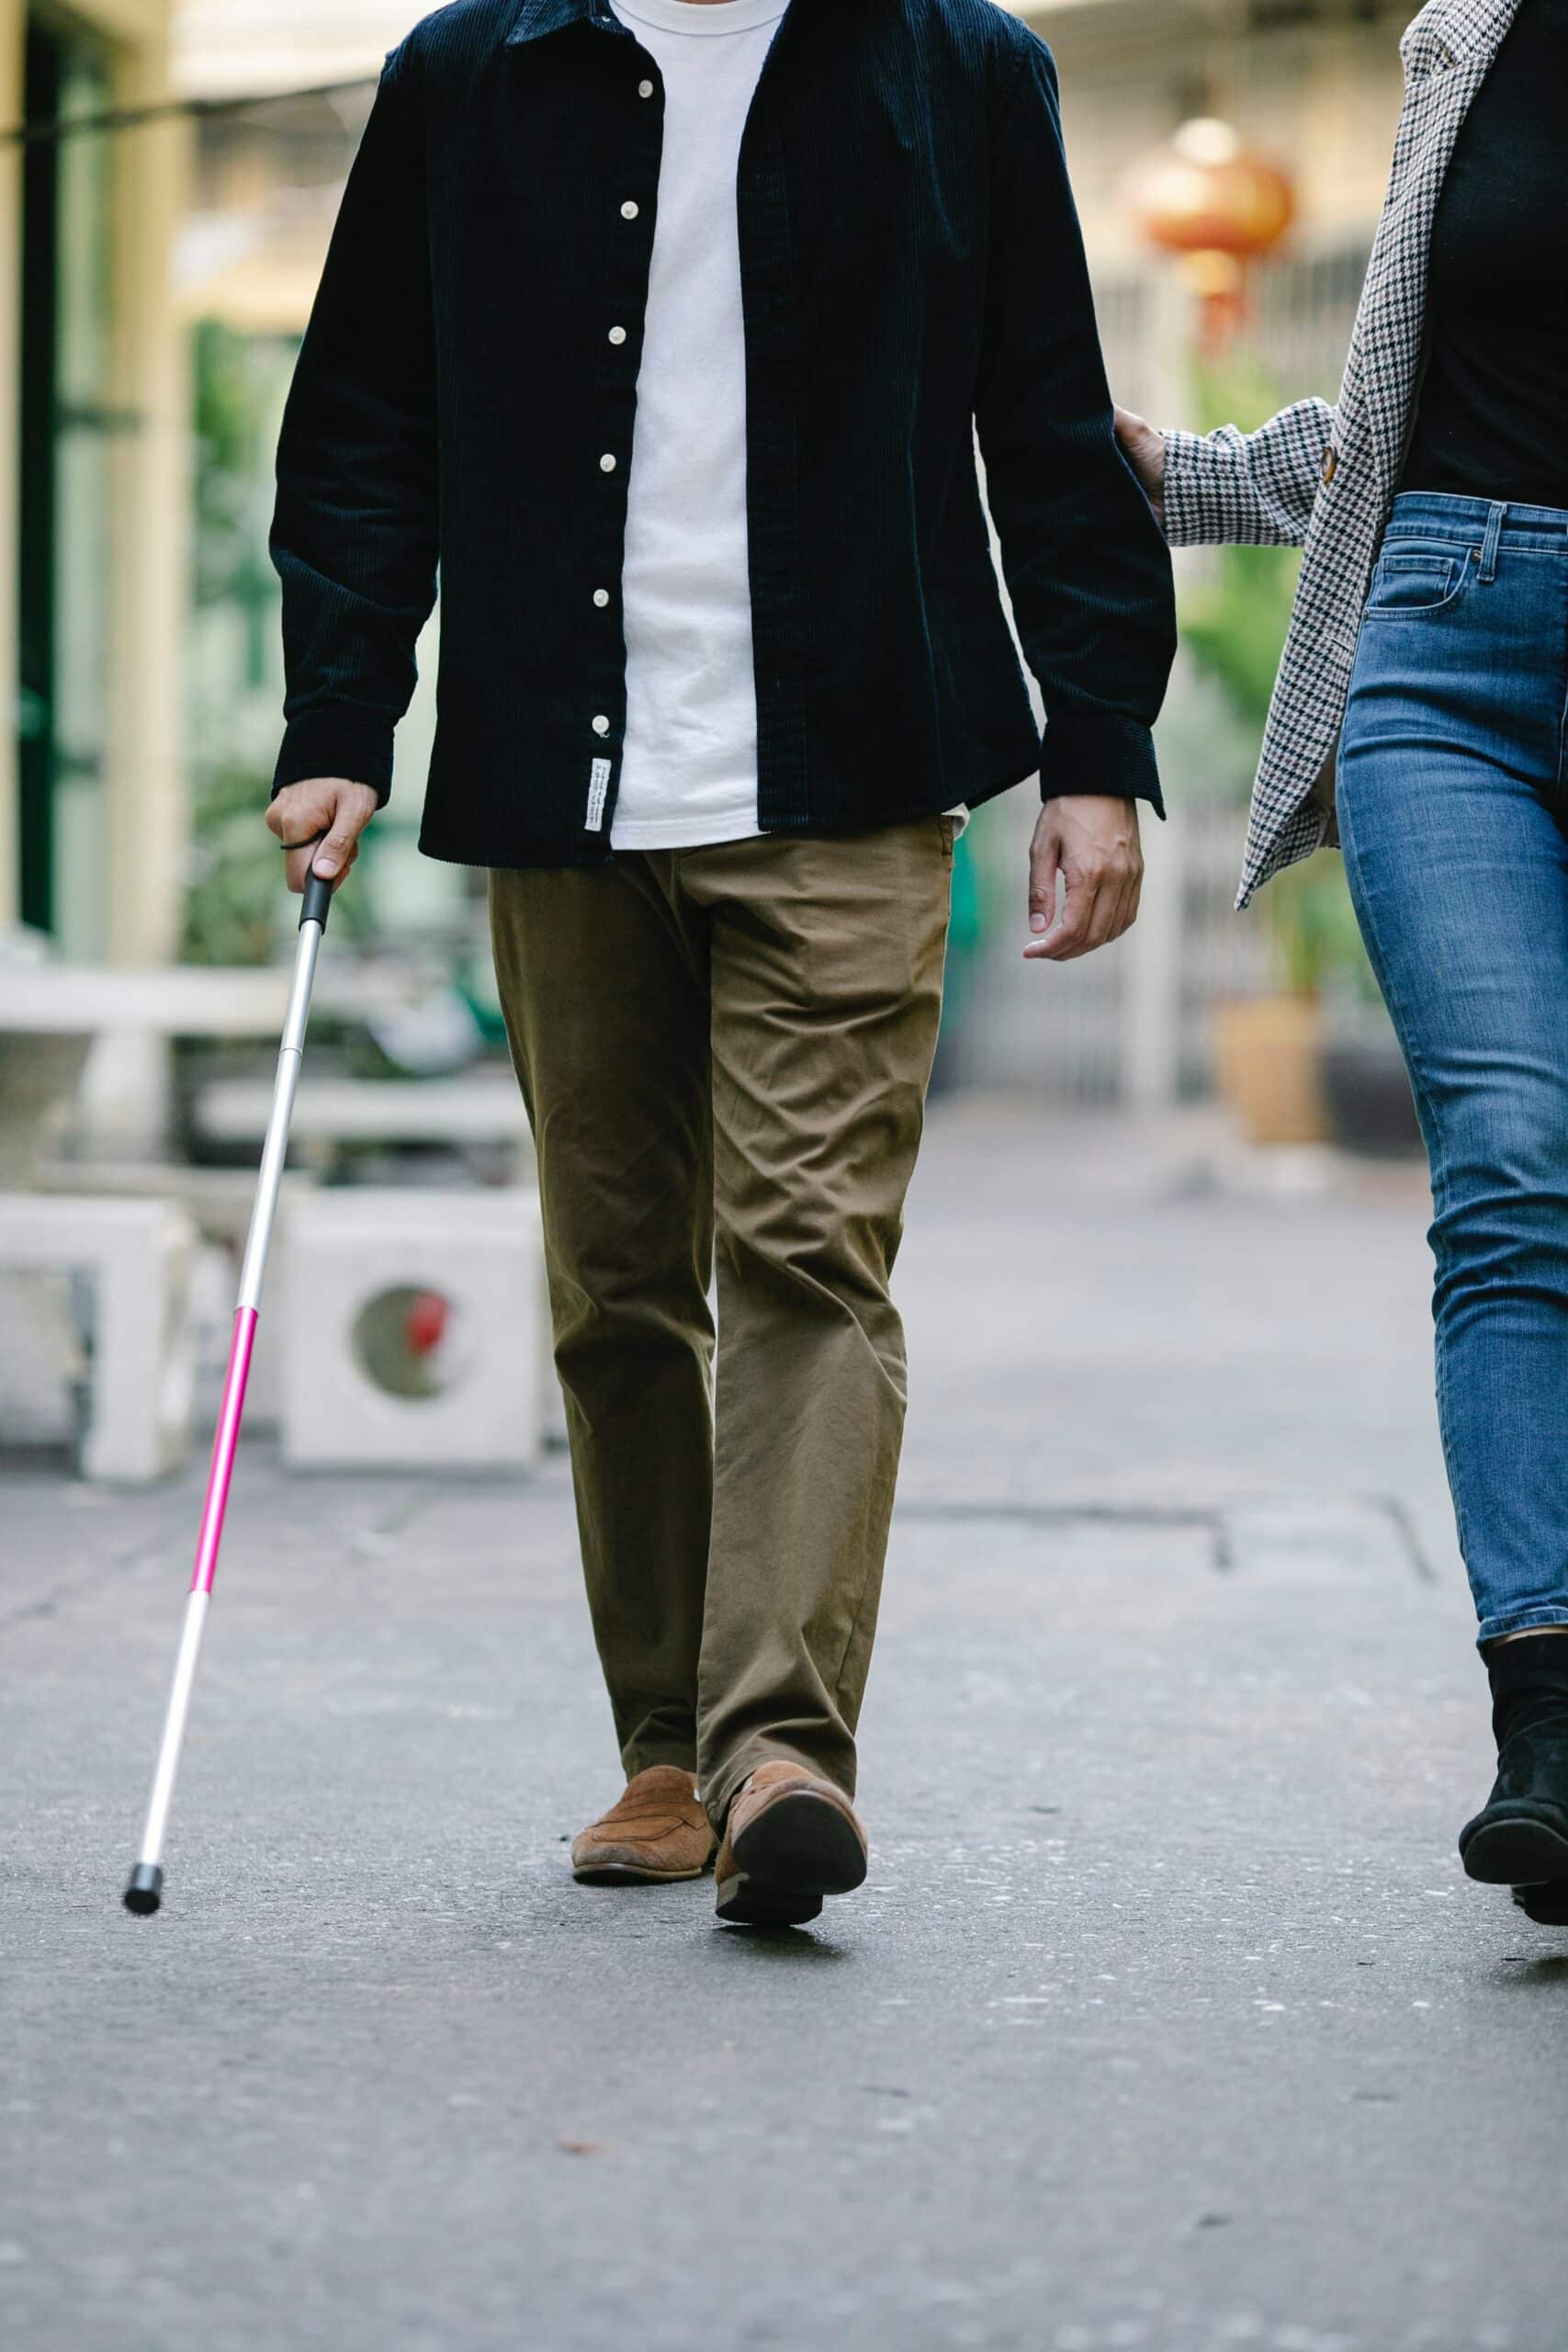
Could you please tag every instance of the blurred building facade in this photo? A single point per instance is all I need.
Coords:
(1315, 86)
(92, 528)
(1313, 83)
(155, 287)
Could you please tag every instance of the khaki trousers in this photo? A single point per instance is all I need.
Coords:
(725, 1054)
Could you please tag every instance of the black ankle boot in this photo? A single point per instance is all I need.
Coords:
(1521, 1837)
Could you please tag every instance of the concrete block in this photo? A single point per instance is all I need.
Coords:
(408, 1329)
(217, 1199)
(136, 1258)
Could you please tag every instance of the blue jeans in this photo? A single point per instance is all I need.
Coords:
(1453, 806)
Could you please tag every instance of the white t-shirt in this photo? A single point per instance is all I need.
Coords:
(689, 767)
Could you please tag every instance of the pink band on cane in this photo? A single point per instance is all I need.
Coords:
(223, 1445)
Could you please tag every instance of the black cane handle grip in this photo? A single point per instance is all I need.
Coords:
(317, 903)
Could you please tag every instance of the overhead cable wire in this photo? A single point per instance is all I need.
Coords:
(72, 126)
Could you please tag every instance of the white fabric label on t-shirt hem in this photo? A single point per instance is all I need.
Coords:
(598, 792)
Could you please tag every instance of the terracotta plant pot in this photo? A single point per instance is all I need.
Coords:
(1269, 1064)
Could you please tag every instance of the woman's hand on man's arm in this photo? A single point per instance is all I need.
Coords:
(1233, 489)
(1142, 446)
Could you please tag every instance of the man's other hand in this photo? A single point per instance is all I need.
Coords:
(1092, 842)
(1142, 446)
(325, 816)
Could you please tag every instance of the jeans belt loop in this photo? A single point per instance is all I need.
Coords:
(1495, 522)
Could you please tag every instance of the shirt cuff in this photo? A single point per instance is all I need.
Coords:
(1100, 751)
(337, 738)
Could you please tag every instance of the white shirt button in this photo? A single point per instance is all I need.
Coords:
(606, 463)
(644, 89)
(617, 335)
(629, 211)
(601, 597)
(600, 726)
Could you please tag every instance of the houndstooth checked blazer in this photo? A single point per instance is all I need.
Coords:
(1324, 478)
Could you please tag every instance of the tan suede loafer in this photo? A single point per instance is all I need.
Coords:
(658, 1832)
(791, 1839)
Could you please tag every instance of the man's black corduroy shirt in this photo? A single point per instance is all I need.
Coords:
(911, 268)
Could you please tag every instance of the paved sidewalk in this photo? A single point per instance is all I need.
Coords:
(1167, 2019)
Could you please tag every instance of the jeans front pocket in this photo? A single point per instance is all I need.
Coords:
(1415, 582)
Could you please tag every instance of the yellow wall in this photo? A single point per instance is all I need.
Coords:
(11, 28)
(144, 796)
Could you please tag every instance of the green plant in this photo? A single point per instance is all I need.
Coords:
(1312, 925)
(234, 907)
(225, 429)
(1233, 626)
(233, 903)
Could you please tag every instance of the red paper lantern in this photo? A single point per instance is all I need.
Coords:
(1208, 199)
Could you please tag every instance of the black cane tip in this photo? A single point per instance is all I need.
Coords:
(146, 1890)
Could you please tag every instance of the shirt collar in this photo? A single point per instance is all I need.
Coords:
(1453, 29)
(534, 18)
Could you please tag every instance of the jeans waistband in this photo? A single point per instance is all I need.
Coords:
(1471, 521)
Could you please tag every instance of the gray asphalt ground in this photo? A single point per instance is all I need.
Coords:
(1166, 2020)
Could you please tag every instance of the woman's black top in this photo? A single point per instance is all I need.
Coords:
(1492, 416)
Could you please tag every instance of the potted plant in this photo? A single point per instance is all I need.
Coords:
(1316, 1060)
(1268, 1048)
